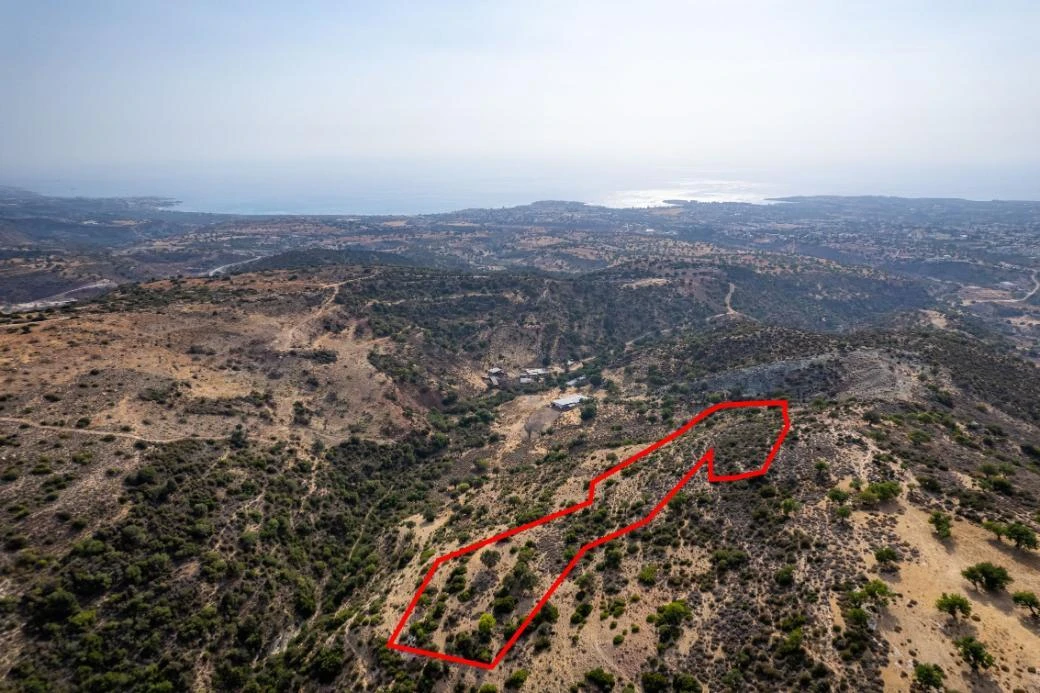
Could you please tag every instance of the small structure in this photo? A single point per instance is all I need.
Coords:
(575, 381)
(494, 381)
(569, 402)
(495, 371)
(536, 372)
(524, 380)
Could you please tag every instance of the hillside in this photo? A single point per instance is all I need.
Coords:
(237, 482)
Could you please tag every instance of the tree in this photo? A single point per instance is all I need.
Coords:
(943, 524)
(1029, 600)
(954, 605)
(928, 677)
(1023, 536)
(999, 529)
(670, 618)
(843, 512)
(789, 505)
(301, 415)
(974, 653)
(875, 592)
(239, 437)
(990, 576)
(486, 624)
(328, 664)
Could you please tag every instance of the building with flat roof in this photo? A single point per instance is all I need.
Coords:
(569, 402)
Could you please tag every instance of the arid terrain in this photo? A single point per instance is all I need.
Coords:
(234, 476)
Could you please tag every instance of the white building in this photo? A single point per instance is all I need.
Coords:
(569, 402)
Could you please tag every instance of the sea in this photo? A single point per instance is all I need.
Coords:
(421, 187)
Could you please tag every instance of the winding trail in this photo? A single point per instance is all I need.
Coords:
(1036, 287)
(60, 299)
(729, 305)
(216, 271)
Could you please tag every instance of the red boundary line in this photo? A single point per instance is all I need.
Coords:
(708, 457)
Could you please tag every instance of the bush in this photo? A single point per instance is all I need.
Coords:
(928, 676)
(886, 555)
(648, 575)
(726, 559)
(837, 495)
(877, 592)
(654, 682)
(942, 523)
(686, 683)
(885, 490)
(581, 613)
(517, 678)
(601, 679)
(670, 618)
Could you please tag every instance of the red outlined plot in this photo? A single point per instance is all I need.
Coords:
(707, 458)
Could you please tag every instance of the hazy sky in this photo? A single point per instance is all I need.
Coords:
(781, 85)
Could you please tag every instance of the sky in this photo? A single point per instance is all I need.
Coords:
(809, 91)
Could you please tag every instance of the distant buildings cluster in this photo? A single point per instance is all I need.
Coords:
(497, 377)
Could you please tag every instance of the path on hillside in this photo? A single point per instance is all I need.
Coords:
(729, 305)
(224, 268)
(59, 299)
(92, 431)
(1036, 287)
